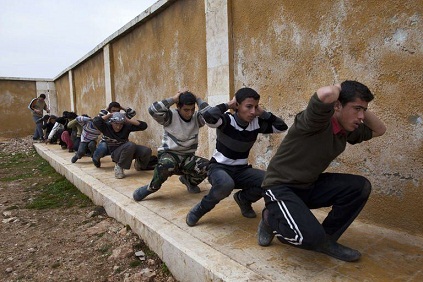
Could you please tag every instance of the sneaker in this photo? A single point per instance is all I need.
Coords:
(74, 159)
(195, 214)
(119, 172)
(265, 233)
(245, 206)
(96, 162)
(338, 251)
(191, 188)
(141, 193)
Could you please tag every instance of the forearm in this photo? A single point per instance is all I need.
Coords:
(138, 125)
(202, 105)
(329, 94)
(133, 121)
(374, 123)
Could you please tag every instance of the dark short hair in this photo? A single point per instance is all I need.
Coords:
(61, 120)
(351, 90)
(69, 115)
(245, 93)
(186, 98)
(113, 105)
(42, 96)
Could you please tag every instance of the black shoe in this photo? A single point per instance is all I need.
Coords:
(191, 188)
(195, 214)
(74, 159)
(141, 193)
(265, 234)
(96, 162)
(246, 209)
(338, 251)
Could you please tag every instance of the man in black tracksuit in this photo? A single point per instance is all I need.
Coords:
(295, 183)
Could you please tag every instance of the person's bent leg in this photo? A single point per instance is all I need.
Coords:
(65, 137)
(81, 152)
(291, 219)
(164, 169)
(125, 154)
(194, 171)
(141, 156)
(222, 186)
(101, 151)
(249, 180)
(76, 143)
(91, 147)
(122, 157)
(294, 224)
(346, 193)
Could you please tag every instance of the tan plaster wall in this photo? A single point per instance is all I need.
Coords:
(89, 86)
(158, 58)
(15, 95)
(287, 49)
(63, 94)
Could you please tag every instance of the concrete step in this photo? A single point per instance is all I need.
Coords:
(223, 245)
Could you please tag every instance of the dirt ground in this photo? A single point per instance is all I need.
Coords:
(66, 243)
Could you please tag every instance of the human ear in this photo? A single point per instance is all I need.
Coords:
(337, 106)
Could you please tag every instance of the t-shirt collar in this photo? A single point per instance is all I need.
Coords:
(336, 127)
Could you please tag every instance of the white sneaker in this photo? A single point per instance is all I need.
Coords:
(119, 172)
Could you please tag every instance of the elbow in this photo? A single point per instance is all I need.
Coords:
(379, 131)
(382, 130)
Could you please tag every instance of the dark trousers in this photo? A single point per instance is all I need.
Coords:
(125, 153)
(225, 178)
(289, 208)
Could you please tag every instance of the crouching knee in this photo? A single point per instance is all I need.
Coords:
(367, 189)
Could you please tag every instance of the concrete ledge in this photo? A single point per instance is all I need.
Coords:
(188, 258)
(222, 247)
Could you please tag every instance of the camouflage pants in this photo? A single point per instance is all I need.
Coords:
(194, 167)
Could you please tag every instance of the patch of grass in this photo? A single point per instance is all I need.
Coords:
(60, 193)
(19, 166)
(164, 269)
(23, 166)
(104, 249)
(52, 190)
(118, 270)
(135, 263)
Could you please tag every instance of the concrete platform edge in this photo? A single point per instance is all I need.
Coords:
(188, 258)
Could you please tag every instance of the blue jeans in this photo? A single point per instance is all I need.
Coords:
(101, 151)
(38, 133)
(225, 178)
(83, 146)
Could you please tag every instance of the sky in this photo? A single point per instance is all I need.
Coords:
(42, 38)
